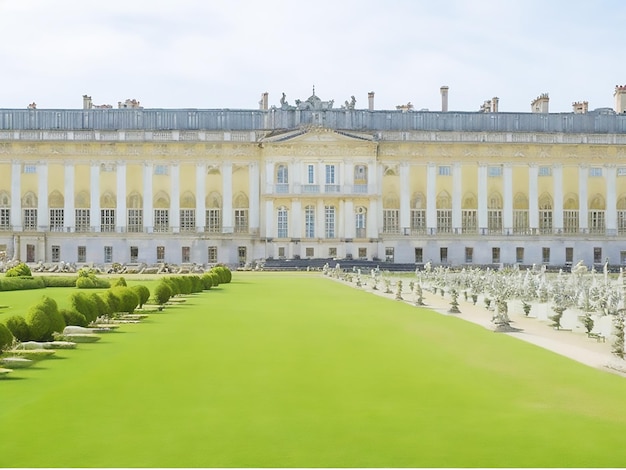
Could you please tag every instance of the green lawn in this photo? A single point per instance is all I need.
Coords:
(295, 370)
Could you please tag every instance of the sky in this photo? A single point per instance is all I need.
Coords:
(210, 54)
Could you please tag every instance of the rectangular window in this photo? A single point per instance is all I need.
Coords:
(621, 222)
(389, 254)
(160, 254)
(30, 219)
(520, 222)
(107, 220)
(545, 221)
(329, 221)
(444, 221)
(362, 253)
(83, 220)
(444, 170)
(161, 169)
(494, 171)
(597, 255)
(309, 222)
(621, 171)
(469, 254)
(443, 255)
(597, 224)
(310, 252)
(134, 254)
(81, 254)
(135, 220)
(495, 254)
(186, 254)
(212, 254)
(161, 220)
(595, 171)
(570, 221)
(545, 171)
(213, 221)
(519, 254)
(330, 174)
(569, 255)
(332, 252)
(469, 221)
(622, 257)
(310, 174)
(56, 253)
(108, 254)
(494, 219)
(418, 221)
(241, 220)
(56, 220)
(187, 220)
(5, 219)
(360, 222)
(29, 168)
(281, 252)
(391, 221)
(282, 220)
(419, 255)
(545, 255)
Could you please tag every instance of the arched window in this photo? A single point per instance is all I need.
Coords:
(213, 219)
(545, 213)
(444, 212)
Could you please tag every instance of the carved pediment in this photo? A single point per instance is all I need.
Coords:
(316, 135)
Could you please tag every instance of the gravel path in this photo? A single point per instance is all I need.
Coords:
(572, 344)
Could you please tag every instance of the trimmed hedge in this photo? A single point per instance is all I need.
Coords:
(38, 323)
(17, 325)
(21, 283)
(128, 300)
(73, 318)
(20, 270)
(162, 292)
(83, 303)
(59, 281)
(207, 281)
(6, 337)
(143, 294)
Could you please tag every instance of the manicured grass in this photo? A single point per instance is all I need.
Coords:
(295, 370)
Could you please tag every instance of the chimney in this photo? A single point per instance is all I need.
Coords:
(494, 104)
(540, 104)
(370, 101)
(620, 99)
(444, 98)
(87, 103)
(580, 107)
(263, 104)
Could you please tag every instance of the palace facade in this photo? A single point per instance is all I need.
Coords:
(133, 185)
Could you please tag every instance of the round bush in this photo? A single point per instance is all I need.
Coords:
(207, 281)
(85, 283)
(215, 277)
(173, 284)
(73, 318)
(38, 323)
(120, 282)
(57, 322)
(83, 303)
(20, 270)
(112, 301)
(6, 337)
(143, 294)
(102, 308)
(196, 283)
(162, 292)
(17, 325)
(128, 300)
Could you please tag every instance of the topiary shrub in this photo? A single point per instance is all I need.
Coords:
(102, 308)
(73, 318)
(20, 270)
(128, 300)
(18, 327)
(6, 337)
(215, 277)
(162, 292)
(59, 281)
(38, 323)
(143, 294)
(196, 283)
(112, 301)
(83, 303)
(57, 322)
(223, 272)
(207, 281)
(120, 282)
(85, 283)
(173, 284)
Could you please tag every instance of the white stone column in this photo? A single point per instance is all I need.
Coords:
(483, 219)
(227, 197)
(533, 197)
(270, 226)
(120, 210)
(372, 219)
(253, 185)
(148, 210)
(200, 196)
(69, 211)
(457, 198)
(43, 213)
(94, 196)
(507, 203)
(340, 220)
(611, 200)
(16, 196)
(405, 199)
(347, 177)
(175, 198)
(295, 176)
(295, 224)
(583, 216)
(372, 177)
(269, 177)
(557, 212)
(431, 198)
(349, 219)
